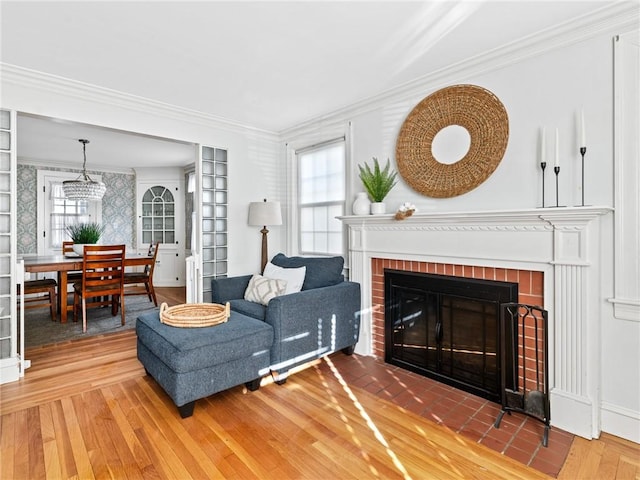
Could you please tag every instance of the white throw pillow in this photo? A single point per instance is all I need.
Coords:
(293, 276)
(262, 290)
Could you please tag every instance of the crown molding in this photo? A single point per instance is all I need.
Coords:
(619, 17)
(24, 77)
(73, 167)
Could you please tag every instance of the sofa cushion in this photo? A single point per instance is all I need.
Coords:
(321, 271)
(250, 309)
(262, 290)
(293, 276)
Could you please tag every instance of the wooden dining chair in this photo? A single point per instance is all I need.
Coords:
(47, 286)
(144, 278)
(67, 248)
(102, 277)
(73, 276)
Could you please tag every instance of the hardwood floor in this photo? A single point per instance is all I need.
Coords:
(85, 409)
(606, 458)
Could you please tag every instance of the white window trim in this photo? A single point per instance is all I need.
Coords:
(300, 142)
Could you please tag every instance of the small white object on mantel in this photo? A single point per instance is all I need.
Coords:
(404, 211)
(362, 204)
(378, 208)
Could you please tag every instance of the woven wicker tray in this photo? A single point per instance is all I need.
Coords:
(192, 315)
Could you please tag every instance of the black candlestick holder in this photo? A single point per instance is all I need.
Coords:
(543, 165)
(556, 170)
(583, 151)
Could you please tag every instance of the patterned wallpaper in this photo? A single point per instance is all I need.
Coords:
(188, 208)
(26, 209)
(118, 207)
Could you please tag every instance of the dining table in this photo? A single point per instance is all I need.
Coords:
(63, 264)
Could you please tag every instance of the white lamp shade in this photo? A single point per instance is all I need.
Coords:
(265, 213)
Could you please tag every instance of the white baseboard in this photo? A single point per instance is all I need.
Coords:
(621, 422)
(572, 413)
(9, 370)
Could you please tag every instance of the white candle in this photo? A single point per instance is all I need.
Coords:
(557, 149)
(583, 137)
(543, 146)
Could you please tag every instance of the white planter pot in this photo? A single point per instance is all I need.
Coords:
(78, 248)
(361, 205)
(378, 208)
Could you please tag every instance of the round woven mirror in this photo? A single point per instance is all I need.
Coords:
(473, 108)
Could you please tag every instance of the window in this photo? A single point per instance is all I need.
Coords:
(55, 211)
(321, 193)
(64, 212)
(158, 216)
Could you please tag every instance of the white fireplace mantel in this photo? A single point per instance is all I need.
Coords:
(563, 243)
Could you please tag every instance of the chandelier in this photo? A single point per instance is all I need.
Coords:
(83, 187)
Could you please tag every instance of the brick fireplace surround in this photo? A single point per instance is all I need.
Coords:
(554, 255)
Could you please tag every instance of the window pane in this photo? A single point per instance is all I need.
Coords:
(335, 225)
(306, 242)
(322, 175)
(306, 187)
(167, 196)
(335, 243)
(320, 242)
(320, 219)
(306, 219)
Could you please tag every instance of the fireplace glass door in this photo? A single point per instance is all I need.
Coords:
(446, 328)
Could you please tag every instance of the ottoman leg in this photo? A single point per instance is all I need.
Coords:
(253, 385)
(186, 410)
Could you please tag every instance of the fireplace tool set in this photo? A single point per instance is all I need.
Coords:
(524, 363)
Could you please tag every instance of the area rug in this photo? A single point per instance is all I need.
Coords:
(39, 329)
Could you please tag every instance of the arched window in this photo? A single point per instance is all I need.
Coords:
(158, 216)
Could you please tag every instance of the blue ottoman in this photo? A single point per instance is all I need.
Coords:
(193, 363)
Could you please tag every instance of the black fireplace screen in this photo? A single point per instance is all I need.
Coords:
(446, 328)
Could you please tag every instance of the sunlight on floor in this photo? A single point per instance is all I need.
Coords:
(379, 437)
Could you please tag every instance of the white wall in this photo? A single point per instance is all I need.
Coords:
(545, 91)
(543, 85)
(253, 155)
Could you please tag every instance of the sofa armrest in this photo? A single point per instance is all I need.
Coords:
(232, 288)
(312, 323)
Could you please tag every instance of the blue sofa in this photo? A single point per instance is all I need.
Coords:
(322, 318)
(193, 363)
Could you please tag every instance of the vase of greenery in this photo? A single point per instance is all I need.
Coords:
(378, 183)
(82, 234)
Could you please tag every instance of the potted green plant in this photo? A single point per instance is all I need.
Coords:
(378, 183)
(82, 234)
